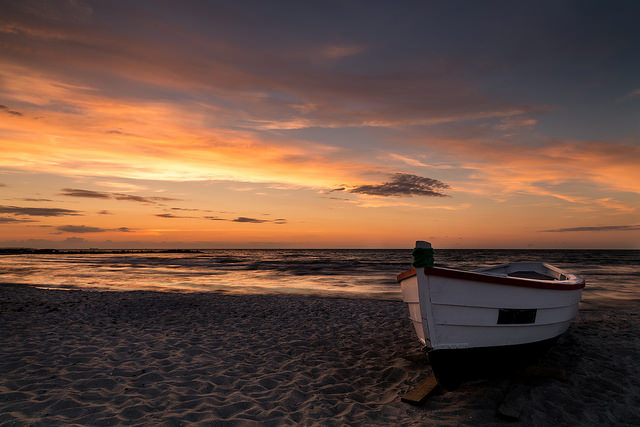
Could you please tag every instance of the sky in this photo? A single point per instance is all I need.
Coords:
(358, 124)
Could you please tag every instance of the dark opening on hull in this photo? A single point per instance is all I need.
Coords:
(514, 316)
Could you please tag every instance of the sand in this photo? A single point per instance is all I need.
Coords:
(146, 358)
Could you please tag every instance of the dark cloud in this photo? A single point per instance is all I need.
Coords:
(80, 229)
(36, 200)
(259, 221)
(141, 199)
(404, 184)
(16, 210)
(251, 220)
(170, 215)
(77, 192)
(596, 228)
(2, 185)
(9, 111)
(131, 198)
(104, 212)
(87, 229)
(5, 220)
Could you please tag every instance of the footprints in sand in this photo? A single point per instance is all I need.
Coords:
(145, 358)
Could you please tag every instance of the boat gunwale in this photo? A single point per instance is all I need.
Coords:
(567, 285)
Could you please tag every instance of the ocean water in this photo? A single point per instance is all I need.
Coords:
(339, 273)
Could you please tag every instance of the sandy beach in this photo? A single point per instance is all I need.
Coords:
(151, 358)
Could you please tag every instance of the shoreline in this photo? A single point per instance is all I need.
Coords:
(163, 358)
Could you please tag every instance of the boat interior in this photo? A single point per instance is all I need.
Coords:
(525, 270)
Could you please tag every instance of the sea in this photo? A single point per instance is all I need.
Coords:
(346, 273)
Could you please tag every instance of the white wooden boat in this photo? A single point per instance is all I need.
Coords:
(492, 316)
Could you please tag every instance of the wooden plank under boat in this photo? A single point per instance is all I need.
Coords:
(494, 318)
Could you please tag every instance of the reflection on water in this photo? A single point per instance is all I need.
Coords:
(347, 273)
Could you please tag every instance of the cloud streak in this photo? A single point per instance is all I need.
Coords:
(7, 220)
(82, 229)
(259, 221)
(249, 220)
(75, 192)
(45, 212)
(170, 215)
(10, 111)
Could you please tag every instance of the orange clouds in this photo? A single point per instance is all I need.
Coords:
(503, 167)
(77, 130)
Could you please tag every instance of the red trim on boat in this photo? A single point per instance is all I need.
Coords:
(405, 274)
(478, 277)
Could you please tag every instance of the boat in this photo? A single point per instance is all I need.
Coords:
(488, 320)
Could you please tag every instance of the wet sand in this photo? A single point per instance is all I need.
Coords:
(148, 358)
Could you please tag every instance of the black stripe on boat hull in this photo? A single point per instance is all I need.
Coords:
(454, 366)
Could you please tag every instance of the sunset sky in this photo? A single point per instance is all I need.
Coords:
(130, 124)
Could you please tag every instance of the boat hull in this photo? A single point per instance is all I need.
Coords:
(467, 317)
